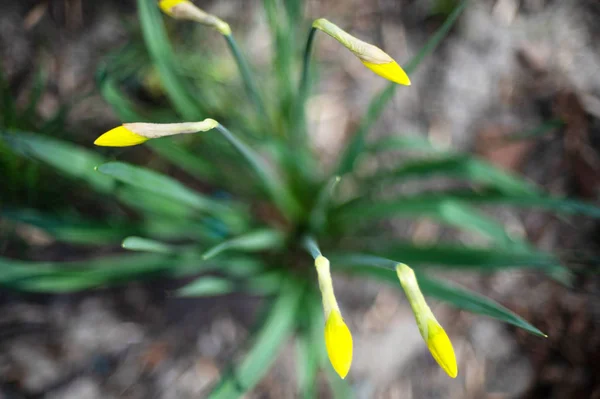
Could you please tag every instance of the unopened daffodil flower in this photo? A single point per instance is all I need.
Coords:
(130, 134)
(371, 56)
(185, 9)
(338, 339)
(432, 332)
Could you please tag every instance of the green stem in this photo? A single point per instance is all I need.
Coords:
(275, 188)
(299, 123)
(304, 82)
(247, 77)
(318, 214)
(309, 243)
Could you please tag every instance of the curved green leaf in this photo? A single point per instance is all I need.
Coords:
(460, 167)
(207, 286)
(258, 240)
(462, 298)
(277, 327)
(69, 159)
(141, 244)
(160, 184)
(444, 210)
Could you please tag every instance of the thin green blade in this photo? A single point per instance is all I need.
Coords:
(160, 184)
(450, 257)
(69, 159)
(259, 240)
(142, 244)
(464, 167)
(454, 295)
(277, 327)
(207, 286)
(75, 231)
(440, 209)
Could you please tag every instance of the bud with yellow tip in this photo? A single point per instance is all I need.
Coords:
(130, 134)
(338, 339)
(432, 332)
(185, 9)
(371, 56)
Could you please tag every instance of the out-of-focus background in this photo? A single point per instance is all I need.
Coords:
(516, 82)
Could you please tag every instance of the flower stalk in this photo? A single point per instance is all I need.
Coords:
(432, 332)
(186, 10)
(338, 339)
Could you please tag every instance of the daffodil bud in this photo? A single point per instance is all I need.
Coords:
(338, 339)
(130, 134)
(185, 9)
(432, 332)
(371, 56)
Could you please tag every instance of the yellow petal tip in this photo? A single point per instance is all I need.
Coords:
(119, 137)
(390, 71)
(338, 341)
(441, 348)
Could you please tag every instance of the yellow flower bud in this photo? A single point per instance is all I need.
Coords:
(119, 137)
(185, 9)
(338, 339)
(432, 332)
(371, 56)
(136, 133)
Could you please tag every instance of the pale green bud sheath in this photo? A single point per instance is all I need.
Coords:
(371, 56)
(130, 134)
(432, 332)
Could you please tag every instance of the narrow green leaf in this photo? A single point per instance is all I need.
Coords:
(278, 190)
(141, 244)
(160, 184)
(75, 231)
(413, 142)
(450, 256)
(378, 103)
(308, 358)
(76, 276)
(444, 210)
(258, 240)
(121, 105)
(318, 214)
(473, 302)
(162, 55)
(265, 284)
(151, 204)
(461, 167)
(181, 157)
(69, 159)
(96, 273)
(277, 327)
(459, 297)
(561, 205)
(207, 286)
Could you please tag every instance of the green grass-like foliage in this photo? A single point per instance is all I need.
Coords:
(262, 192)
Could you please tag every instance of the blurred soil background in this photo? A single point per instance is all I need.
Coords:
(508, 67)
